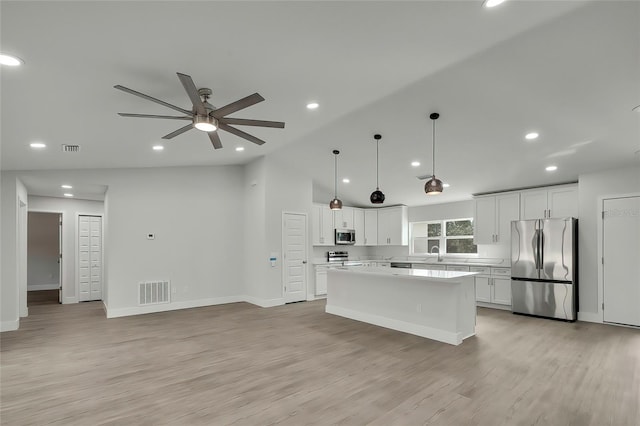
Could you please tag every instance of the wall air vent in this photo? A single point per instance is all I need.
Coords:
(153, 292)
(70, 148)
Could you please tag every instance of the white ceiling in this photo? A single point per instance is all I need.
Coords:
(567, 69)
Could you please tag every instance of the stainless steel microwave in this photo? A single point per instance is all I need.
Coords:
(345, 236)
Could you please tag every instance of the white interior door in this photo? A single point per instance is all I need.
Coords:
(294, 235)
(621, 252)
(89, 258)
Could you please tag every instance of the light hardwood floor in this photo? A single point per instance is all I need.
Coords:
(292, 365)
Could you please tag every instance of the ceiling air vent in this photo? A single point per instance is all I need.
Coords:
(70, 148)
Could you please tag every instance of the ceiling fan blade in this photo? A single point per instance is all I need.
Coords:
(238, 105)
(192, 91)
(152, 99)
(180, 131)
(240, 133)
(170, 117)
(247, 122)
(215, 140)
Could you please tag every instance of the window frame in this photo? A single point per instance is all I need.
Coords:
(442, 239)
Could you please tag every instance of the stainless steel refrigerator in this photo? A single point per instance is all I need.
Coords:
(544, 268)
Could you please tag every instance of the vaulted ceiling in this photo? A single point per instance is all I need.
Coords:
(565, 69)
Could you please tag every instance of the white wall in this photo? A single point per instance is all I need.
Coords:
(70, 209)
(291, 191)
(592, 188)
(43, 247)
(254, 257)
(13, 278)
(196, 214)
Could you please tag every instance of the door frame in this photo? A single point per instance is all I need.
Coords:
(77, 254)
(306, 252)
(600, 244)
(61, 244)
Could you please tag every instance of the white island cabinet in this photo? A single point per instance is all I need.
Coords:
(439, 305)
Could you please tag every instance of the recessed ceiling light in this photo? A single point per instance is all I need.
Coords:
(11, 61)
(240, 148)
(531, 136)
(446, 185)
(415, 163)
(37, 145)
(158, 147)
(67, 194)
(346, 180)
(312, 105)
(492, 3)
(66, 186)
(551, 168)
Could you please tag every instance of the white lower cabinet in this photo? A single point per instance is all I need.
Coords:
(321, 280)
(493, 285)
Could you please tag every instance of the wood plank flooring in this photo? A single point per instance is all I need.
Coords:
(239, 364)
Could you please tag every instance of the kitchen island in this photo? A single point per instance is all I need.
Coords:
(439, 305)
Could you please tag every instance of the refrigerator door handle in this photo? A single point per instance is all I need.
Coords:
(541, 249)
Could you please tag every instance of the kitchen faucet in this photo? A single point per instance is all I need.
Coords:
(438, 249)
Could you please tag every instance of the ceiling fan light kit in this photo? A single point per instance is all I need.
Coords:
(204, 116)
(205, 123)
(433, 185)
(335, 204)
(377, 197)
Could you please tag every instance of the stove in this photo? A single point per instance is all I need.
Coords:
(337, 256)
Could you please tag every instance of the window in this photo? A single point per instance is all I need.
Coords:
(454, 236)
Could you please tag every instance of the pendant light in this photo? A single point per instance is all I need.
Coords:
(335, 204)
(433, 185)
(377, 197)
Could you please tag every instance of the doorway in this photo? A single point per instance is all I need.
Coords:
(44, 258)
(294, 264)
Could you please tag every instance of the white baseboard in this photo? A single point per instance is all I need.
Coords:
(590, 317)
(9, 325)
(263, 303)
(38, 287)
(69, 300)
(140, 310)
(398, 325)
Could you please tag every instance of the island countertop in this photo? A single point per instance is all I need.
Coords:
(420, 274)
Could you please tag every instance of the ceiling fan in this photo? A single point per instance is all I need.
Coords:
(204, 116)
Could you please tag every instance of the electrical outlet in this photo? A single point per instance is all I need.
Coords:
(419, 307)
(174, 290)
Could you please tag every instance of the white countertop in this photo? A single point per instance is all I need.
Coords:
(421, 274)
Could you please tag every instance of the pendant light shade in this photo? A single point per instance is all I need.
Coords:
(377, 197)
(433, 185)
(335, 204)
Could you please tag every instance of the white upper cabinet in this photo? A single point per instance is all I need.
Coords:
(393, 226)
(552, 202)
(344, 218)
(370, 227)
(359, 226)
(322, 225)
(492, 221)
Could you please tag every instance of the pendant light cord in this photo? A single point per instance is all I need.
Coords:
(434, 148)
(377, 162)
(335, 168)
